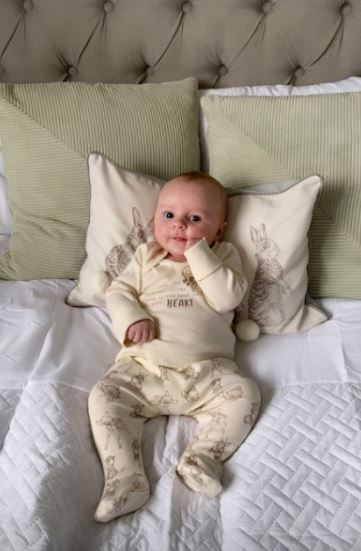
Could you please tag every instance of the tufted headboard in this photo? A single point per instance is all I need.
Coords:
(221, 42)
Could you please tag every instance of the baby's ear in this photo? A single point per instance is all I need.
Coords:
(221, 229)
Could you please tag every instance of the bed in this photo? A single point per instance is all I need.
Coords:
(294, 484)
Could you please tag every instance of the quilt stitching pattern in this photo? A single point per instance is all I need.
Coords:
(292, 486)
(299, 473)
(8, 402)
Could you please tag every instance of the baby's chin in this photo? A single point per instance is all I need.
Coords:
(176, 249)
(178, 258)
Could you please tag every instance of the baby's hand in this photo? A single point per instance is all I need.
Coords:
(141, 331)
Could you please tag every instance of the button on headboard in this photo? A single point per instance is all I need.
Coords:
(220, 42)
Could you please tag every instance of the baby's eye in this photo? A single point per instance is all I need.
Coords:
(195, 218)
(168, 214)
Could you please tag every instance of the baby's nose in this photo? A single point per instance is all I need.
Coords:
(180, 222)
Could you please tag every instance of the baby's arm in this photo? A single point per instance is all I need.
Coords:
(220, 277)
(130, 321)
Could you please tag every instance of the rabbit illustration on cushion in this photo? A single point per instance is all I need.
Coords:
(120, 255)
(265, 303)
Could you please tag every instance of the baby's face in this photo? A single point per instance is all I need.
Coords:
(186, 212)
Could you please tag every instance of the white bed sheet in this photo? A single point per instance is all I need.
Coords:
(293, 485)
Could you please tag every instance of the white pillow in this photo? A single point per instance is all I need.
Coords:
(121, 212)
(5, 213)
(268, 225)
(352, 84)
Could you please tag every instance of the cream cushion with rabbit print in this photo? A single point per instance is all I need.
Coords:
(121, 212)
(267, 224)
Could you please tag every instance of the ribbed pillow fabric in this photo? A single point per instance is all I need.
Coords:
(47, 132)
(254, 140)
(5, 214)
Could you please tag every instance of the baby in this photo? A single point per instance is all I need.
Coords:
(172, 309)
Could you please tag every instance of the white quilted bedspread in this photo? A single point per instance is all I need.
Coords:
(294, 485)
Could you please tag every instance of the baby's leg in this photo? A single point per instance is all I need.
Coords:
(117, 416)
(228, 411)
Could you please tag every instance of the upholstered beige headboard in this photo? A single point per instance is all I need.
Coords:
(221, 42)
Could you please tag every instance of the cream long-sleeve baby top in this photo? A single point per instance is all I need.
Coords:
(191, 302)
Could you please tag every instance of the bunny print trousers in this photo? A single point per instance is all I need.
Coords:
(214, 392)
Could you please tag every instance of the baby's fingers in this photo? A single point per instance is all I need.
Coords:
(132, 333)
(135, 333)
(147, 334)
(140, 332)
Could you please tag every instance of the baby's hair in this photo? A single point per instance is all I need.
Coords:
(199, 176)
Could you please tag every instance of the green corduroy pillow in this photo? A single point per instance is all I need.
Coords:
(255, 140)
(47, 132)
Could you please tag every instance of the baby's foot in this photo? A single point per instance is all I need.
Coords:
(122, 496)
(200, 475)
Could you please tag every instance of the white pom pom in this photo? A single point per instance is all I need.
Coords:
(100, 281)
(247, 330)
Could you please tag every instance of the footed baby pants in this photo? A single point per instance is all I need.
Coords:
(214, 392)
